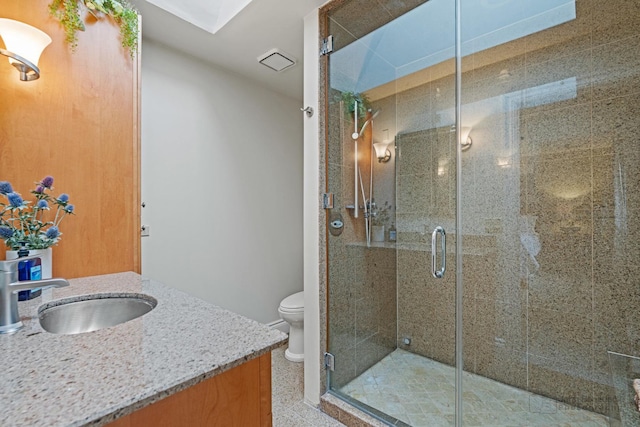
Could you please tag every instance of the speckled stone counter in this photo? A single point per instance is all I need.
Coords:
(93, 378)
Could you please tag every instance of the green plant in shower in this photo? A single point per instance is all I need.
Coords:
(125, 15)
(381, 214)
(350, 99)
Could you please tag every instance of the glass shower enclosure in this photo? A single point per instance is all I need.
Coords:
(482, 249)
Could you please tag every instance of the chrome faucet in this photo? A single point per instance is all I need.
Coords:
(9, 288)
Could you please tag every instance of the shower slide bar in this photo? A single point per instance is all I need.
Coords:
(355, 136)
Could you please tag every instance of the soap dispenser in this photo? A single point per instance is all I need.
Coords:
(392, 233)
(28, 270)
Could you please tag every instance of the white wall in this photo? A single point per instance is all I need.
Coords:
(222, 182)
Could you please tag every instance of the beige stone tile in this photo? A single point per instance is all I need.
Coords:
(367, 354)
(341, 323)
(443, 96)
(557, 131)
(414, 153)
(396, 8)
(616, 68)
(413, 193)
(502, 364)
(627, 167)
(564, 283)
(351, 16)
(487, 95)
(346, 413)
(604, 401)
(365, 317)
(559, 195)
(497, 194)
(616, 123)
(411, 309)
(335, 146)
(491, 278)
(342, 35)
(416, 121)
(287, 418)
(443, 175)
(508, 56)
(549, 84)
(502, 325)
(313, 417)
(440, 335)
(615, 20)
(420, 91)
(412, 266)
(335, 186)
(345, 370)
(561, 386)
(616, 295)
(615, 128)
(563, 39)
(341, 270)
(605, 184)
(412, 228)
(559, 343)
(407, 385)
(327, 406)
(414, 114)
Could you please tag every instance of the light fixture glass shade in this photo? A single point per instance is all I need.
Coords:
(465, 139)
(23, 40)
(465, 134)
(381, 149)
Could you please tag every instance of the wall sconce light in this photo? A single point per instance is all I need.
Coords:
(382, 151)
(24, 45)
(465, 139)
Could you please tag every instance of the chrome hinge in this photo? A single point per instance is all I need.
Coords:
(327, 201)
(330, 362)
(326, 46)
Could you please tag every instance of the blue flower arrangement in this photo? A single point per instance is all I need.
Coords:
(23, 223)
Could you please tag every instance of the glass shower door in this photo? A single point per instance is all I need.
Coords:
(547, 204)
(531, 172)
(391, 304)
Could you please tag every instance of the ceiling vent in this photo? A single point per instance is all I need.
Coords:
(277, 60)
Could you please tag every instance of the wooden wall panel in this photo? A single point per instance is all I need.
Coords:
(79, 123)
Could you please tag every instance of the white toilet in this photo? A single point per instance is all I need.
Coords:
(292, 311)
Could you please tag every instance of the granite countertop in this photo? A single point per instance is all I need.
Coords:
(93, 378)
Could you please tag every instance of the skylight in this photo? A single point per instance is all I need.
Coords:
(210, 15)
(425, 37)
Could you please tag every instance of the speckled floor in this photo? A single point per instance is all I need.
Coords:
(289, 409)
(420, 392)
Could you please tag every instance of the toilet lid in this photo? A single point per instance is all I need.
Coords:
(293, 302)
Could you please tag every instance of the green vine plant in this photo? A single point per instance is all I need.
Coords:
(125, 15)
(350, 98)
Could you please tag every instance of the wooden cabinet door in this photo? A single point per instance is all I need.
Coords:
(240, 397)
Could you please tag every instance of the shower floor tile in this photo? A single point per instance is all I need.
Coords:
(421, 392)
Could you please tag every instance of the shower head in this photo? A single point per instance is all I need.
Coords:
(364, 126)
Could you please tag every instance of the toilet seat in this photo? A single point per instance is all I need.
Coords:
(293, 303)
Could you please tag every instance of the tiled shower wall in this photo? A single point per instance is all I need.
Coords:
(550, 207)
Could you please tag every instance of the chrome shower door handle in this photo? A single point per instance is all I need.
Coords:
(438, 274)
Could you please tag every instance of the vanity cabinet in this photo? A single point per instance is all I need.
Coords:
(239, 397)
